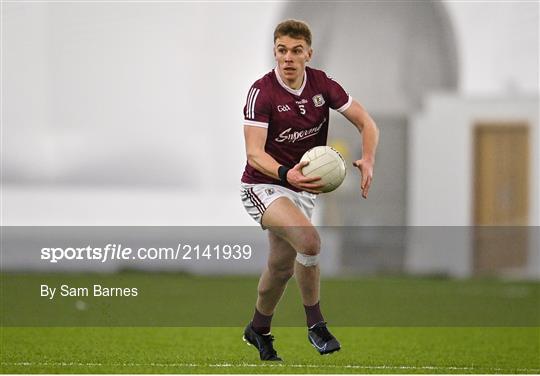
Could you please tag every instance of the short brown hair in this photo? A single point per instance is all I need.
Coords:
(295, 29)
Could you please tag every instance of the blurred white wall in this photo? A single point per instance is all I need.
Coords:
(129, 93)
(498, 45)
(132, 106)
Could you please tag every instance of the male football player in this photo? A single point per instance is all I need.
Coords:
(286, 114)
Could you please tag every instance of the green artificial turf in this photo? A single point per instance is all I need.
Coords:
(193, 324)
(221, 350)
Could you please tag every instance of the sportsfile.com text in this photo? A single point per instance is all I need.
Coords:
(182, 252)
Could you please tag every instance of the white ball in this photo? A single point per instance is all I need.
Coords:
(328, 164)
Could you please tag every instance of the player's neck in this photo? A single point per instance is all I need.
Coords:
(296, 84)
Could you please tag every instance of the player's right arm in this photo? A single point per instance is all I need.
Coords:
(258, 158)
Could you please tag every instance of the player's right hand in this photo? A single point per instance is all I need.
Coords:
(298, 180)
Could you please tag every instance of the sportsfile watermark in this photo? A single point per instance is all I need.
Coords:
(177, 276)
(118, 252)
(220, 249)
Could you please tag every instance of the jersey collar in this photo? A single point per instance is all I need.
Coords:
(284, 85)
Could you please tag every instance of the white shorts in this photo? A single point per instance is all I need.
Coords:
(258, 197)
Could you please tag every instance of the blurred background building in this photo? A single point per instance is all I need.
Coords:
(130, 114)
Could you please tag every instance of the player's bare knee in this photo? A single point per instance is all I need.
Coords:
(310, 251)
(310, 244)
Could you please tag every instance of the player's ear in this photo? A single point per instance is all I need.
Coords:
(310, 53)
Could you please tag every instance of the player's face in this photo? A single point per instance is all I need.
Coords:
(291, 58)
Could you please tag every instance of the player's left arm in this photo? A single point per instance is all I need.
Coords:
(358, 115)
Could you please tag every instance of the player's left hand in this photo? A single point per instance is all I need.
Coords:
(366, 171)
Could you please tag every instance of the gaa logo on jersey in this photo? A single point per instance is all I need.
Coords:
(318, 100)
(269, 191)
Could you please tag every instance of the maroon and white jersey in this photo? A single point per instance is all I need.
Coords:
(297, 120)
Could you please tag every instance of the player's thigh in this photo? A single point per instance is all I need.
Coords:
(287, 221)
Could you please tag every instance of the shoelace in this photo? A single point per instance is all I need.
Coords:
(323, 332)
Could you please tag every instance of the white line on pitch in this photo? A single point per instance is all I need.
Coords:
(228, 365)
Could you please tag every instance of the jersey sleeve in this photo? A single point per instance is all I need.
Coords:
(339, 99)
(257, 108)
